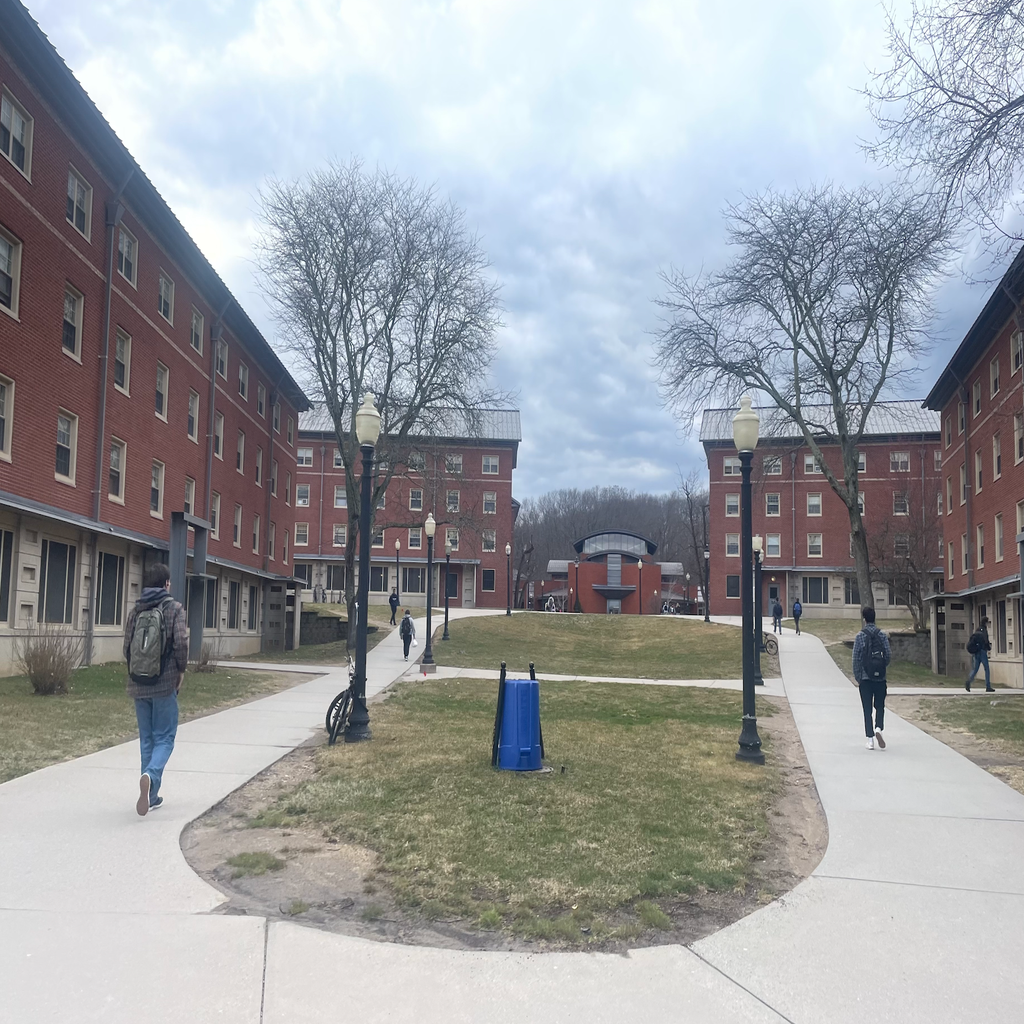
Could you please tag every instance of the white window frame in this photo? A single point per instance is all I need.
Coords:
(287, 488)
(165, 296)
(69, 478)
(189, 506)
(773, 540)
(304, 457)
(860, 502)
(489, 465)
(122, 469)
(291, 430)
(193, 400)
(961, 418)
(79, 180)
(123, 336)
(952, 559)
(979, 553)
(240, 453)
(274, 468)
(451, 536)
(259, 466)
(993, 378)
(949, 431)
(731, 466)
(124, 235)
(78, 298)
(768, 503)
(814, 503)
(811, 545)
(302, 531)
(732, 545)
(340, 496)
(489, 540)
(377, 539)
(862, 462)
(937, 460)
(732, 506)
(1016, 352)
(949, 495)
(1018, 438)
(900, 500)
(256, 533)
(343, 527)
(196, 329)
(963, 554)
(490, 503)
(221, 359)
(771, 465)
(415, 541)
(15, 255)
(159, 471)
(7, 410)
(261, 400)
(453, 464)
(162, 370)
(415, 499)
(963, 483)
(275, 413)
(998, 537)
(236, 527)
(899, 462)
(811, 467)
(302, 501)
(243, 382)
(451, 503)
(976, 399)
(14, 107)
(979, 463)
(997, 456)
(1020, 516)
(218, 435)
(215, 515)
(339, 463)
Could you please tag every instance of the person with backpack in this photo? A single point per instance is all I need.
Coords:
(777, 617)
(407, 631)
(156, 649)
(978, 645)
(798, 610)
(393, 601)
(871, 656)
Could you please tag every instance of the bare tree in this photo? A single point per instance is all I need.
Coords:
(821, 310)
(378, 286)
(696, 502)
(951, 107)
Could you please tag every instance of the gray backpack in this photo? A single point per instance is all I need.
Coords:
(148, 645)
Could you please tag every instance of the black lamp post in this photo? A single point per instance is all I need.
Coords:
(758, 612)
(367, 431)
(707, 584)
(640, 585)
(744, 432)
(398, 569)
(577, 607)
(508, 579)
(428, 528)
(687, 591)
(447, 564)
(570, 600)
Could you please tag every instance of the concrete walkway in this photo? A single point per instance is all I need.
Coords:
(913, 915)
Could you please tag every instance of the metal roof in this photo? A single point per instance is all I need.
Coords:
(446, 424)
(886, 419)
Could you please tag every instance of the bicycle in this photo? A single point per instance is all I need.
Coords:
(339, 709)
(769, 643)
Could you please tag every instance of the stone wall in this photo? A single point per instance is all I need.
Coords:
(321, 629)
(913, 647)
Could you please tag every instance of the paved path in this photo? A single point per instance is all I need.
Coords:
(914, 914)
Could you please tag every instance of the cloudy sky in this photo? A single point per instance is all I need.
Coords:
(592, 144)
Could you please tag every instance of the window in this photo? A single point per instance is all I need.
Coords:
(949, 432)
(57, 583)
(193, 416)
(340, 530)
(952, 560)
(490, 464)
(215, 515)
(732, 545)
(862, 462)
(732, 505)
(993, 377)
(976, 399)
(302, 495)
(731, 466)
(156, 490)
(115, 477)
(963, 484)
(900, 503)
(810, 465)
(937, 456)
(949, 495)
(1016, 351)
(218, 435)
(255, 534)
(15, 133)
(452, 537)
(489, 540)
(335, 576)
(378, 579)
(963, 554)
(236, 528)
(814, 545)
(196, 331)
(165, 298)
(997, 457)
(415, 538)
(222, 358)
(860, 502)
(6, 417)
(301, 535)
(851, 590)
(814, 504)
(110, 592)
(291, 430)
(340, 496)
(981, 546)
(487, 581)
(240, 452)
(815, 590)
(453, 464)
(1018, 437)
(1020, 516)
(190, 497)
(211, 604)
(416, 500)
(261, 400)
(273, 477)
(977, 471)
(127, 252)
(771, 465)
(960, 417)
(773, 545)
(67, 445)
(304, 456)
(453, 501)
(253, 603)
(899, 462)
(259, 467)
(243, 381)
(161, 395)
(275, 413)
(122, 362)
(1000, 553)
(234, 603)
(287, 487)
(490, 503)
(71, 335)
(938, 503)
(417, 462)
(732, 586)
(338, 463)
(377, 540)
(901, 545)
(10, 272)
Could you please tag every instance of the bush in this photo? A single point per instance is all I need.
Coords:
(208, 654)
(48, 655)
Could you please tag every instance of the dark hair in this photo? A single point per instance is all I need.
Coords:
(984, 621)
(406, 611)
(156, 575)
(867, 614)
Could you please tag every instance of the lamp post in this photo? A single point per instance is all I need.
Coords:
(428, 528)
(569, 605)
(707, 584)
(577, 607)
(447, 565)
(398, 569)
(367, 432)
(508, 579)
(640, 585)
(687, 590)
(744, 432)
(758, 547)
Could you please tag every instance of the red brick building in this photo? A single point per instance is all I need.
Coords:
(463, 478)
(804, 525)
(981, 403)
(132, 384)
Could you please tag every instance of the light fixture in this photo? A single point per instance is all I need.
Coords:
(745, 426)
(367, 421)
(430, 526)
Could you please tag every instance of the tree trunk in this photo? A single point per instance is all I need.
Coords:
(860, 558)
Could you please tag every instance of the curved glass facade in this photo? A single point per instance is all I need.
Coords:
(626, 543)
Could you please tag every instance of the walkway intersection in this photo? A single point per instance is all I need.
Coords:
(912, 915)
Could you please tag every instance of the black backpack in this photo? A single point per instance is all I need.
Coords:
(974, 643)
(874, 657)
(405, 628)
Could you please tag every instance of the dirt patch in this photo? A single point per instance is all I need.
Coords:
(332, 885)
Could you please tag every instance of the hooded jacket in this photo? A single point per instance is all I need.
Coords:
(176, 659)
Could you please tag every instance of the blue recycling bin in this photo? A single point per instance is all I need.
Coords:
(519, 746)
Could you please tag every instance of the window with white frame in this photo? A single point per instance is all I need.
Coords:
(993, 377)
(195, 337)
(156, 490)
(304, 456)
(259, 467)
(415, 538)
(190, 497)
(453, 464)
(193, 415)
(963, 554)
(814, 545)
(771, 465)
(732, 505)
(1020, 516)
(452, 537)
(116, 472)
(772, 505)
(417, 462)
(901, 545)
(952, 560)
(997, 457)
(900, 503)
(415, 499)
(963, 484)
(127, 255)
(960, 417)
(261, 400)
(938, 503)
(976, 398)
(338, 462)
(899, 462)
(165, 298)
(773, 545)
(236, 527)
(949, 431)
(452, 501)
(301, 535)
(937, 460)
(10, 272)
(215, 516)
(377, 539)
(273, 477)
(71, 333)
(291, 430)
(67, 447)
(862, 462)
(978, 462)
(1016, 351)
(489, 540)
(275, 414)
(16, 133)
(222, 359)
(980, 553)
(240, 452)
(1000, 552)
(122, 362)
(949, 495)
(1018, 437)
(811, 465)
(287, 488)
(218, 435)
(162, 378)
(731, 466)
(732, 545)
(490, 466)
(490, 503)
(860, 502)
(79, 207)
(340, 532)
(340, 496)
(243, 381)
(271, 539)
(302, 495)
(814, 504)
(256, 534)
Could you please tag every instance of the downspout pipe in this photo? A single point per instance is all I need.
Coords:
(216, 333)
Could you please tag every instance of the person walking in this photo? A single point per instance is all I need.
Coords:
(156, 650)
(871, 656)
(776, 617)
(798, 610)
(393, 601)
(978, 645)
(407, 631)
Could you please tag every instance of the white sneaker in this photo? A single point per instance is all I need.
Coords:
(880, 739)
(870, 744)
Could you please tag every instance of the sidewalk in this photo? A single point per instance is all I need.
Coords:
(912, 915)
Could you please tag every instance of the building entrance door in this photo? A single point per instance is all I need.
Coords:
(614, 606)
(773, 593)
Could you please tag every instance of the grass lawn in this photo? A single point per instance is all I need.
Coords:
(37, 731)
(650, 647)
(1000, 722)
(652, 804)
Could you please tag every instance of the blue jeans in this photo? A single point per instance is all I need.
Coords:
(158, 724)
(980, 658)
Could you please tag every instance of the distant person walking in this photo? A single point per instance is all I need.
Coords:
(871, 657)
(393, 601)
(776, 617)
(798, 610)
(156, 649)
(978, 645)
(407, 631)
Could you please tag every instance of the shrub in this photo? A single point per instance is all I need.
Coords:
(48, 655)
(208, 654)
